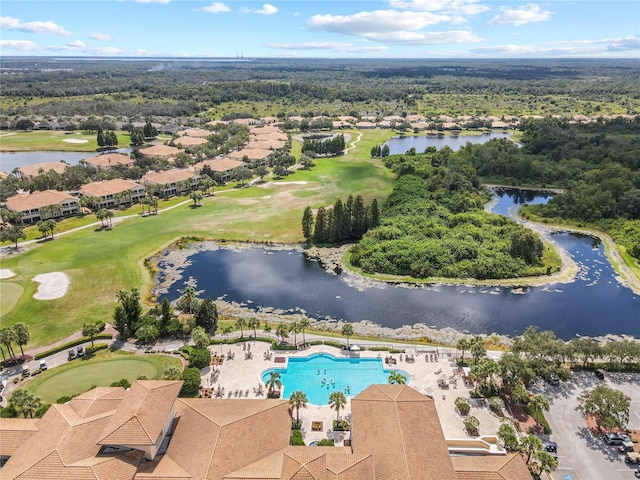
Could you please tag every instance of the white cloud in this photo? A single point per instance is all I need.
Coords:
(153, 1)
(454, 7)
(22, 45)
(216, 7)
(576, 48)
(367, 23)
(425, 38)
(102, 37)
(332, 46)
(529, 13)
(267, 9)
(10, 23)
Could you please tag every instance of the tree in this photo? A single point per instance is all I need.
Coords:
(128, 317)
(172, 373)
(43, 228)
(137, 137)
(21, 335)
(463, 345)
(304, 324)
(7, 337)
(298, 400)
(240, 324)
(347, 331)
(307, 224)
(282, 331)
(188, 297)
(471, 424)
(25, 402)
(207, 315)
(294, 327)
(478, 348)
(91, 330)
(196, 197)
(206, 183)
(200, 337)
(508, 435)
(319, 232)
(525, 244)
(199, 357)
(101, 138)
(463, 406)
(13, 234)
(191, 382)
(608, 406)
(147, 333)
(396, 378)
(254, 323)
(261, 171)
(543, 462)
(337, 401)
(529, 445)
(266, 328)
(101, 215)
(165, 315)
(274, 381)
(537, 404)
(150, 131)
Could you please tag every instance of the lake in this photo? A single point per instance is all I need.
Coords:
(594, 304)
(421, 142)
(12, 160)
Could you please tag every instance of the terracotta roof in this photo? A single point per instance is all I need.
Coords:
(219, 164)
(109, 160)
(405, 418)
(230, 434)
(97, 401)
(30, 171)
(491, 467)
(14, 432)
(195, 132)
(142, 414)
(167, 176)
(108, 187)
(189, 141)
(265, 130)
(251, 153)
(160, 151)
(30, 201)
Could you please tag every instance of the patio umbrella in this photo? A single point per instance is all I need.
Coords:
(355, 348)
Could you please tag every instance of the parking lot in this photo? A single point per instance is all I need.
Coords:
(582, 455)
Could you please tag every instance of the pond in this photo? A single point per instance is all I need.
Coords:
(11, 160)
(594, 304)
(421, 142)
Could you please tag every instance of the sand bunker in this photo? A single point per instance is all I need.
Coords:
(6, 273)
(75, 140)
(52, 285)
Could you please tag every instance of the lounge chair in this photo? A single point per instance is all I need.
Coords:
(246, 393)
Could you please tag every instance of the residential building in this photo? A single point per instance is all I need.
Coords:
(223, 169)
(147, 433)
(43, 205)
(257, 156)
(27, 172)
(171, 182)
(166, 152)
(108, 160)
(113, 193)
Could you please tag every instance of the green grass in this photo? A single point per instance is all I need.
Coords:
(101, 263)
(9, 295)
(100, 370)
(53, 140)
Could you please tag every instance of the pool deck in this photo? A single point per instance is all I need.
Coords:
(242, 374)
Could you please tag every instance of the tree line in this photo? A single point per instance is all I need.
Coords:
(344, 222)
(330, 146)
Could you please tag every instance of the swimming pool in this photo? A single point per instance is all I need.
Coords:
(321, 374)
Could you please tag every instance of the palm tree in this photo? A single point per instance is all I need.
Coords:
(196, 197)
(304, 324)
(337, 401)
(25, 402)
(537, 404)
(463, 345)
(266, 328)
(396, 378)
(254, 323)
(282, 331)
(241, 323)
(347, 331)
(189, 295)
(7, 336)
(295, 328)
(529, 445)
(172, 373)
(274, 381)
(21, 335)
(298, 400)
(478, 348)
(43, 228)
(109, 216)
(101, 215)
(153, 203)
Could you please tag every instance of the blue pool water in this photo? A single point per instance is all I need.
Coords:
(321, 374)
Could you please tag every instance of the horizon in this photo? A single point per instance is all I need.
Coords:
(382, 29)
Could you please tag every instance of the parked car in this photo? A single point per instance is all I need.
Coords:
(72, 354)
(626, 447)
(25, 371)
(80, 351)
(600, 374)
(551, 448)
(43, 365)
(632, 458)
(554, 379)
(616, 438)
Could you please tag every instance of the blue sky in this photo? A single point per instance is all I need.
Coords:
(361, 29)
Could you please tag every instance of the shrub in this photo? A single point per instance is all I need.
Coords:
(341, 426)
(123, 382)
(326, 442)
(191, 379)
(495, 404)
(463, 406)
(472, 424)
(199, 358)
(296, 438)
(68, 345)
(98, 346)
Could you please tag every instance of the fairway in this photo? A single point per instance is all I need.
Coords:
(9, 295)
(80, 375)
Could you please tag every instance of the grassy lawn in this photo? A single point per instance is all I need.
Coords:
(53, 140)
(101, 370)
(101, 263)
(9, 295)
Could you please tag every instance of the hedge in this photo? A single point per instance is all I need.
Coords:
(540, 418)
(68, 345)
